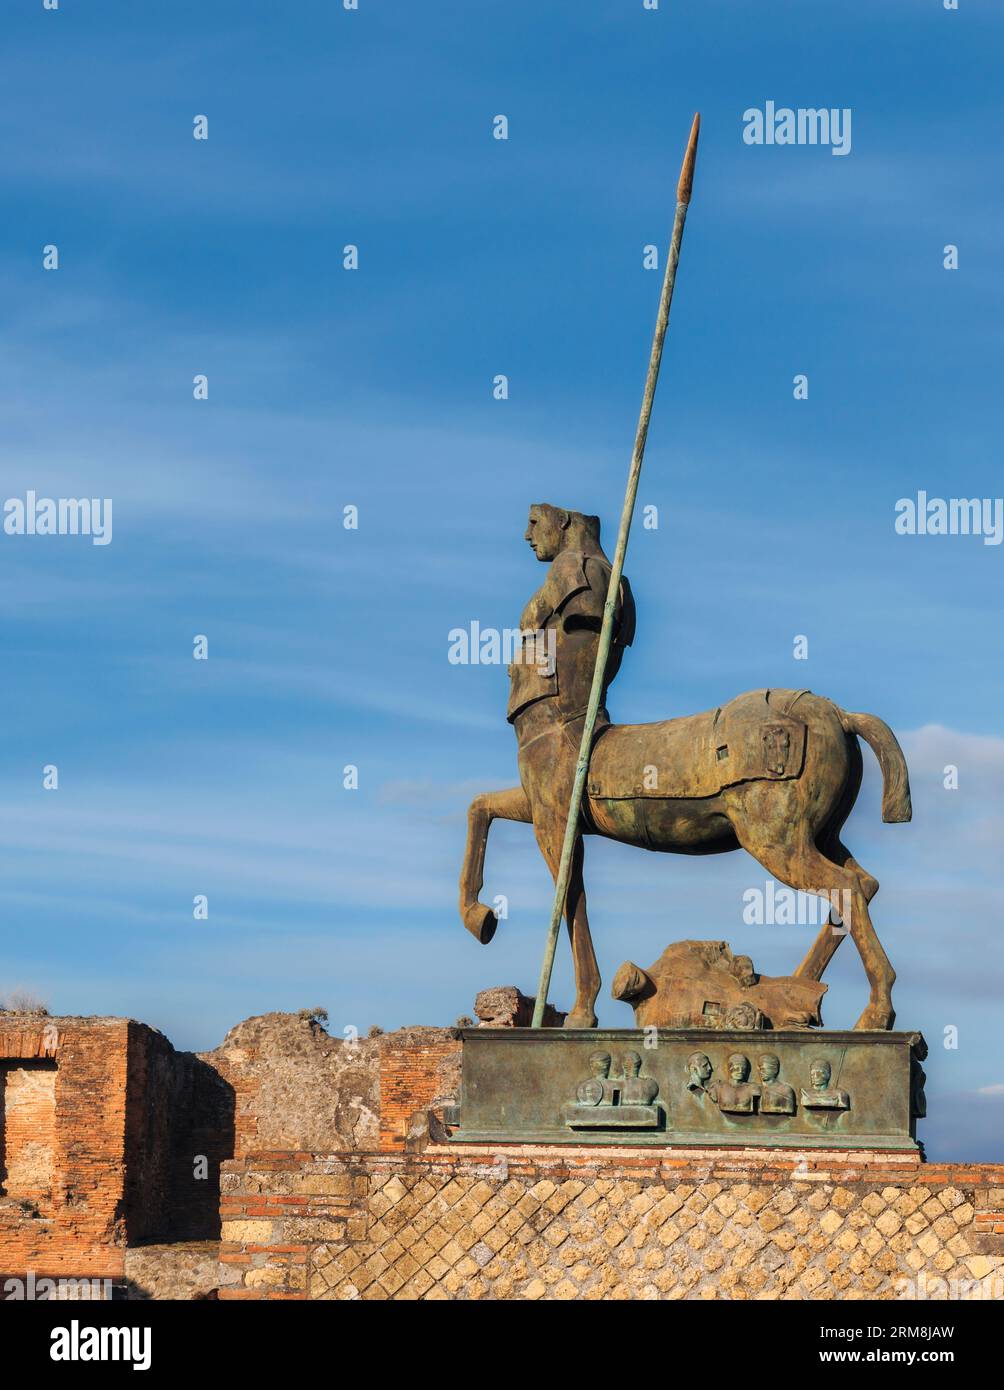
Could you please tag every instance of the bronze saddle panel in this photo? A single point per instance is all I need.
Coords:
(752, 738)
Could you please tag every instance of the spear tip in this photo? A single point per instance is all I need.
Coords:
(684, 187)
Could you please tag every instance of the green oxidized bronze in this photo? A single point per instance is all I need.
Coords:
(701, 1087)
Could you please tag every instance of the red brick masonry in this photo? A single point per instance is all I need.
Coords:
(416, 1073)
(73, 1225)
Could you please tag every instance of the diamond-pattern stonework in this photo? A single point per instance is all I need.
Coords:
(580, 1226)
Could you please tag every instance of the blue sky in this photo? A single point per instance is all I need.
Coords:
(373, 388)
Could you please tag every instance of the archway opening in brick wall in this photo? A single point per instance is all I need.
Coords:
(27, 1130)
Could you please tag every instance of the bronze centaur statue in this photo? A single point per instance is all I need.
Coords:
(774, 772)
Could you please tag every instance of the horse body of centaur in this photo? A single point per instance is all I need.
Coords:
(773, 772)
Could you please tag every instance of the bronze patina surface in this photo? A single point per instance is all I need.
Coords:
(695, 1087)
(697, 984)
(775, 772)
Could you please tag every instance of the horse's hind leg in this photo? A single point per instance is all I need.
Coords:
(831, 934)
(804, 867)
(511, 804)
(587, 972)
(881, 976)
(832, 847)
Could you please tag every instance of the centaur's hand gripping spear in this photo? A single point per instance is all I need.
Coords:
(683, 189)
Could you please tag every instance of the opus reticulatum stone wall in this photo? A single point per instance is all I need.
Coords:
(539, 1224)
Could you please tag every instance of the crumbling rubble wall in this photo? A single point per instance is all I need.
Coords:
(296, 1087)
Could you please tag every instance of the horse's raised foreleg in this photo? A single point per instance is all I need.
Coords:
(510, 804)
(587, 973)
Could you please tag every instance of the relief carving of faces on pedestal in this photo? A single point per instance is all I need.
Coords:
(700, 1072)
(738, 1095)
(593, 1091)
(625, 1100)
(739, 1068)
(821, 1095)
(636, 1089)
(776, 1097)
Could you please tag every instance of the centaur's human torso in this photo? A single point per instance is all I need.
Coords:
(550, 681)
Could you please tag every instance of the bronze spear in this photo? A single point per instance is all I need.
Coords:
(683, 190)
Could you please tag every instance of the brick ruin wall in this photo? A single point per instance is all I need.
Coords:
(179, 1129)
(571, 1225)
(419, 1072)
(112, 1140)
(28, 1135)
(63, 1122)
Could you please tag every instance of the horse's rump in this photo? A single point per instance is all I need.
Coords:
(753, 737)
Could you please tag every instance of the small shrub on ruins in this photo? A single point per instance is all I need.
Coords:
(21, 1001)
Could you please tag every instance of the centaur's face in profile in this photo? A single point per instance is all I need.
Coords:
(545, 530)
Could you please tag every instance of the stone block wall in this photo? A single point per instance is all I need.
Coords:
(575, 1224)
(276, 1210)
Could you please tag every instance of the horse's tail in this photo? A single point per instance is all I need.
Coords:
(895, 776)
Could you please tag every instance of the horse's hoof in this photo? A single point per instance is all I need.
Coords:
(580, 1020)
(876, 1017)
(481, 922)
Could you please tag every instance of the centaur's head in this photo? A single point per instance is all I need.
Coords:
(552, 529)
